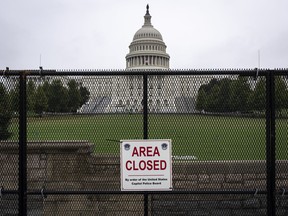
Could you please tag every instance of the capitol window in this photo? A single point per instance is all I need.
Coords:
(166, 102)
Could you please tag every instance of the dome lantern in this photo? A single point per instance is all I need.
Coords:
(147, 17)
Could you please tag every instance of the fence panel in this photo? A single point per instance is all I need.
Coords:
(75, 121)
(281, 113)
(9, 129)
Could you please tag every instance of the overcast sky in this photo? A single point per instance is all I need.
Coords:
(95, 34)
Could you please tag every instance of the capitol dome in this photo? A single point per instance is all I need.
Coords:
(147, 32)
(147, 50)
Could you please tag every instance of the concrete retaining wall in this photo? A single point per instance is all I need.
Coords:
(73, 166)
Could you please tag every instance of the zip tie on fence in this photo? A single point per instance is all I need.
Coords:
(5, 71)
(256, 192)
(42, 193)
(283, 193)
(41, 70)
(257, 74)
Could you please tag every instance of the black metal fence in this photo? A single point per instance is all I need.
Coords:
(228, 128)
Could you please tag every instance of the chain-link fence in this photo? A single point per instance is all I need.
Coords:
(60, 133)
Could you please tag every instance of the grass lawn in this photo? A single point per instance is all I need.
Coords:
(200, 136)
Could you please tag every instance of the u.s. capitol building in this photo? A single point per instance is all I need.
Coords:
(166, 94)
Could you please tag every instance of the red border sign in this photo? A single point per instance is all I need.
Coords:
(146, 165)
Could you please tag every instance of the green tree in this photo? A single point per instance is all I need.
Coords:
(31, 89)
(46, 90)
(64, 99)
(224, 96)
(240, 93)
(84, 94)
(74, 97)
(5, 113)
(204, 99)
(201, 99)
(212, 99)
(14, 99)
(41, 101)
(281, 94)
(257, 100)
(57, 99)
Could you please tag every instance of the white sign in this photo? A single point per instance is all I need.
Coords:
(146, 165)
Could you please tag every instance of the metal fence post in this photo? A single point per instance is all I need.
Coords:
(145, 106)
(22, 181)
(145, 128)
(270, 143)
